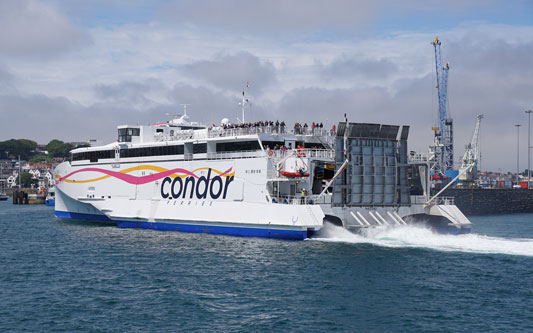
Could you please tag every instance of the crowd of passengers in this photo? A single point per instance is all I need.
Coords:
(275, 126)
(279, 127)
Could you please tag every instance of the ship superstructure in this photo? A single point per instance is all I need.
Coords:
(260, 179)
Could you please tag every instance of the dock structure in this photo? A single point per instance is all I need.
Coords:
(24, 198)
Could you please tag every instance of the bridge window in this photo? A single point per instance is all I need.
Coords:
(125, 134)
(152, 151)
(93, 156)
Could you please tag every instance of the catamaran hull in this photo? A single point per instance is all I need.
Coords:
(235, 213)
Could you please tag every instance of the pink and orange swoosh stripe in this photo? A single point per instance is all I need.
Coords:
(123, 174)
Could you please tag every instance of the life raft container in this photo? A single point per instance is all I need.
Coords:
(294, 174)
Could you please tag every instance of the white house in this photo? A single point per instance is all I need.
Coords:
(48, 175)
(12, 181)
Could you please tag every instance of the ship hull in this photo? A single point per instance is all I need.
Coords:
(196, 227)
(156, 205)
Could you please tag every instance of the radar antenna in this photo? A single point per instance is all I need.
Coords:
(185, 116)
(180, 116)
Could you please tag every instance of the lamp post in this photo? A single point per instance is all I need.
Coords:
(517, 151)
(528, 147)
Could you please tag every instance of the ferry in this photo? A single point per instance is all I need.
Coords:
(253, 179)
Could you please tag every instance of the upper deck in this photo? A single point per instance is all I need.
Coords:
(164, 141)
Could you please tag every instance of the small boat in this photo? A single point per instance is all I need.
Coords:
(294, 174)
(3, 195)
(50, 197)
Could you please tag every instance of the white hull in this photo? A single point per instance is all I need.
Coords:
(130, 205)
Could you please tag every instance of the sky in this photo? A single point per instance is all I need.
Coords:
(74, 70)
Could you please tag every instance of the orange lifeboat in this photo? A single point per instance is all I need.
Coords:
(294, 174)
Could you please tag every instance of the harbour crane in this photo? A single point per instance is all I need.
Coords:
(471, 157)
(442, 148)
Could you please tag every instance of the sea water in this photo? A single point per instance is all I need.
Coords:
(63, 275)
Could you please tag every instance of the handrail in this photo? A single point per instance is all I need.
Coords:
(299, 200)
(442, 201)
(302, 152)
(235, 154)
(222, 132)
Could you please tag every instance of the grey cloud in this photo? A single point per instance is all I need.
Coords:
(35, 29)
(232, 71)
(275, 15)
(490, 77)
(350, 68)
(476, 53)
(7, 81)
(132, 94)
(411, 104)
(282, 18)
(42, 118)
(210, 107)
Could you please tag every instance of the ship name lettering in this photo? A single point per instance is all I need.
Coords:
(201, 187)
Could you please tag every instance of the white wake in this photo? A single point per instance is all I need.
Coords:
(420, 237)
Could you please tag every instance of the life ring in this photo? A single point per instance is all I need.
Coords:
(270, 153)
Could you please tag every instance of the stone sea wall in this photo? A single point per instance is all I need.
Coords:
(479, 201)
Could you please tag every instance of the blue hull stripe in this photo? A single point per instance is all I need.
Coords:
(81, 216)
(212, 229)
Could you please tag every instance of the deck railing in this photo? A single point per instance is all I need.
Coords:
(299, 200)
(235, 154)
(419, 158)
(443, 201)
(216, 132)
(304, 152)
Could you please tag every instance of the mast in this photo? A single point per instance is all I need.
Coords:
(244, 101)
(20, 175)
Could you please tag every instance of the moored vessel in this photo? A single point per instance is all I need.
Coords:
(50, 197)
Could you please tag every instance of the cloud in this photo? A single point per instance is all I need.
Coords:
(231, 72)
(136, 73)
(354, 68)
(7, 81)
(211, 106)
(35, 29)
(138, 95)
(275, 15)
(292, 19)
(43, 118)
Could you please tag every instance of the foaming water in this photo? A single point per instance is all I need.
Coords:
(420, 237)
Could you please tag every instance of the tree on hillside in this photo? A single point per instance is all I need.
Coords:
(40, 159)
(12, 148)
(57, 148)
(26, 179)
